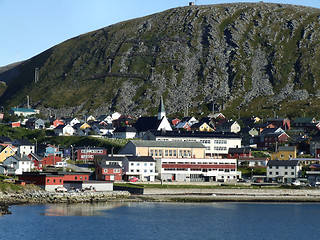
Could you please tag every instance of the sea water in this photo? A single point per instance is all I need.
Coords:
(162, 221)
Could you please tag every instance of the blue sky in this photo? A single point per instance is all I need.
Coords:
(29, 27)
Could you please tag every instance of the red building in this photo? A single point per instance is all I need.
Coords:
(88, 153)
(109, 169)
(284, 123)
(51, 160)
(51, 180)
(239, 152)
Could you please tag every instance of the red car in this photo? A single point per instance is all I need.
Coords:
(133, 179)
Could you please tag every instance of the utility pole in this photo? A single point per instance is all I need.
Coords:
(36, 75)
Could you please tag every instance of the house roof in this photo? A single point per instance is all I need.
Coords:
(104, 165)
(190, 134)
(36, 156)
(286, 148)
(125, 129)
(239, 150)
(21, 142)
(144, 124)
(303, 120)
(286, 163)
(18, 158)
(23, 110)
(178, 144)
(228, 124)
(4, 139)
(140, 159)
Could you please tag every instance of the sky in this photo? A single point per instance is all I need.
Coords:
(29, 27)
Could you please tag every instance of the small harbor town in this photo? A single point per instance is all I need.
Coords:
(211, 151)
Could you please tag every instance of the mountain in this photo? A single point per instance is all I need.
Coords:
(248, 58)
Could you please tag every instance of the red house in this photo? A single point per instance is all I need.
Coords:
(239, 152)
(109, 169)
(57, 122)
(51, 160)
(51, 180)
(88, 153)
(284, 123)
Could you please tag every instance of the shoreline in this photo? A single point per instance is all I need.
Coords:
(163, 195)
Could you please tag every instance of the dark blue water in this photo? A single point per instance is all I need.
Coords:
(162, 221)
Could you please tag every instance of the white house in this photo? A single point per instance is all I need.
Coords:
(23, 111)
(197, 169)
(141, 167)
(24, 146)
(64, 130)
(283, 170)
(124, 132)
(231, 126)
(17, 165)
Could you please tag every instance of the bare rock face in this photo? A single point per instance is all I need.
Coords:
(228, 55)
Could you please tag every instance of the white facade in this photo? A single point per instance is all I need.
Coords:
(214, 146)
(197, 169)
(144, 170)
(124, 135)
(67, 130)
(164, 125)
(25, 150)
(284, 170)
(17, 164)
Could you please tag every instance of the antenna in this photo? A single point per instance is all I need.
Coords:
(36, 75)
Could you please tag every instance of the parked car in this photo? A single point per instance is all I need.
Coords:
(61, 189)
(296, 183)
(60, 164)
(133, 179)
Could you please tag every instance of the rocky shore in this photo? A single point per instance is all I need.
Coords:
(42, 197)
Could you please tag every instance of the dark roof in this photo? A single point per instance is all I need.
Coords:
(140, 159)
(285, 163)
(286, 148)
(303, 120)
(125, 129)
(36, 156)
(4, 139)
(103, 165)
(178, 134)
(178, 144)
(20, 142)
(239, 150)
(144, 124)
(227, 124)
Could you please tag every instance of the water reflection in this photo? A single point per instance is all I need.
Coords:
(80, 209)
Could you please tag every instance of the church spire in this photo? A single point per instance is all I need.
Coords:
(161, 110)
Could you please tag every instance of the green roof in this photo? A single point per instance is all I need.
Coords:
(22, 109)
(177, 144)
(303, 120)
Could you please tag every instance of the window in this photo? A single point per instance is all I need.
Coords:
(138, 170)
(151, 170)
(47, 180)
(131, 170)
(277, 173)
(131, 164)
(105, 170)
(138, 164)
(170, 153)
(292, 173)
(282, 156)
(292, 167)
(156, 152)
(145, 170)
(75, 178)
(151, 164)
(166, 153)
(151, 152)
(270, 173)
(285, 173)
(54, 180)
(116, 170)
(145, 164)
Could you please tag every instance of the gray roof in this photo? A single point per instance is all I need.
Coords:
(178, 144)
(286, 148)
(140, 159)
(286, 163)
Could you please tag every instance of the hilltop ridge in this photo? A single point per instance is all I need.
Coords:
(247, 57)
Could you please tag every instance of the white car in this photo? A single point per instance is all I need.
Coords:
(61, 189)
(296, 183)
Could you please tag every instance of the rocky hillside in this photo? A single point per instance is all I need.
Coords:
(244, 57)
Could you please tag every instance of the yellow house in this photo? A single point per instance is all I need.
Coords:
(6, 152)
(85, 126)
(164, 149)
(202, 127)
(284, 153)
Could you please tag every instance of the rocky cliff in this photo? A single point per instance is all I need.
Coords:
(244, 57)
